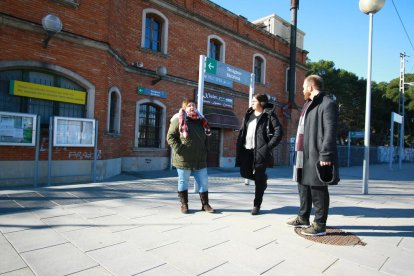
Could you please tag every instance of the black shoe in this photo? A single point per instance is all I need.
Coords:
(298, 222)
(255, 210)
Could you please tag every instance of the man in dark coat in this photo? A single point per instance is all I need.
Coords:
(316, 156)
(260, 133)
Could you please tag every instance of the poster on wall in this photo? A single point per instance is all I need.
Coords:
(17, 129)
(73, 132)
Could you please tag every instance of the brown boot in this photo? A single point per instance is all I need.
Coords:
(204, 203)
(184, 201)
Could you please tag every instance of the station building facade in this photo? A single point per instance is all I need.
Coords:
(133, 62)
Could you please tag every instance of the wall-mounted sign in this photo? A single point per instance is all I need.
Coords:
(17, 129)
(356, 134)
(217, 99)
(38, 91)
(152, 92)
(223, 70)
(73, 132)
(217, 80)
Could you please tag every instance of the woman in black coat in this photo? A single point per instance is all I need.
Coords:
(260, 133)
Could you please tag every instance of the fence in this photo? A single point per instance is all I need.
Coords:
(353, 156)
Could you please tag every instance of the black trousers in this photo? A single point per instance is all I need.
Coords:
(319, 197)
(258, 174)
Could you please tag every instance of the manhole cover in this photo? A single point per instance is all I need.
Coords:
(334, 236)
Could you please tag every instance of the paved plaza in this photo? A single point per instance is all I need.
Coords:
(131, 224)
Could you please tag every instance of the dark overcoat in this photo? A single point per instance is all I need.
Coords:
(267, 137)
(319, 141)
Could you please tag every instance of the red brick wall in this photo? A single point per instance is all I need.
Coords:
(118, 24)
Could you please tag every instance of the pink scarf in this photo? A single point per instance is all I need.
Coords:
(183, 127)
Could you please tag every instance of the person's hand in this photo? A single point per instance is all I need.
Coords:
(325, 163)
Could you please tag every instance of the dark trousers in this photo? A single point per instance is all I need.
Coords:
(257, 174)
(319, 196)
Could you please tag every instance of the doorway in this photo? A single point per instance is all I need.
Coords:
(213, 148)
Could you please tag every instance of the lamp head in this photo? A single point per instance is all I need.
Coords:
(371, 6)
(52, 25)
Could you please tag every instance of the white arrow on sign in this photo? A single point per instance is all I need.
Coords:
(210, 66)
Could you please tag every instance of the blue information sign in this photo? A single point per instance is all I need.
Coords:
(152, 92)
(217, 99)
(226, 71)
(216, 80)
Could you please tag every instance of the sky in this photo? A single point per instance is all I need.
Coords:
(338, 31)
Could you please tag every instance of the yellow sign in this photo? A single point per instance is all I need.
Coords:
(33, 90)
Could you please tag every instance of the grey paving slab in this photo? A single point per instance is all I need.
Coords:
(246, 256)
(401, 264)
(66, 223)
(89, 210)
(230, 269)
(32, 239)
(94, 271)
(92, 238)
(114, 223)
(20, 221)
(58, 260)
(20, 272)
(191, 260)
(10, 259)
(125, 259)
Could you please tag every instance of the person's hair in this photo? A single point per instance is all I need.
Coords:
(262, 99)
(186, 102)
(316, 81)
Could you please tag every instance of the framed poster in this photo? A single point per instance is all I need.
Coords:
(17, 129)
(73, 132)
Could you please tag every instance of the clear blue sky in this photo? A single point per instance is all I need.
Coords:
(337, 30)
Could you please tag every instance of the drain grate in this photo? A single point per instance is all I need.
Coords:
(334, 236)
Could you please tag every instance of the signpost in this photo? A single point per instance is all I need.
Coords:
(215, 71)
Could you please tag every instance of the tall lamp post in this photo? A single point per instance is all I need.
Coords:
(369, 7)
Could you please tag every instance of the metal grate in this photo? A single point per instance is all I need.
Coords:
(334, 236)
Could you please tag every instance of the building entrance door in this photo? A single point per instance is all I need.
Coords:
(213, 148)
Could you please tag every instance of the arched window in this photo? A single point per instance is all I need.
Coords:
(216, 48)
(259, 68)
(42, 107)
(114, 111)
(154, 31)
(150, 126)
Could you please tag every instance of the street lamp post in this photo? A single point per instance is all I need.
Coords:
(369, 7)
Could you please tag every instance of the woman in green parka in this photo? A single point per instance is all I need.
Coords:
(187, 135)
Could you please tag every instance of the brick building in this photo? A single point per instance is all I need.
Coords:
(132, 61)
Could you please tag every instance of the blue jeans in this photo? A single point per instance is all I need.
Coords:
(200, 176)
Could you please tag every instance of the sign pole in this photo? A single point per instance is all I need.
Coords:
(349, 148)
(200, 92)
(391, 140)
(49, 159)
(36, 166)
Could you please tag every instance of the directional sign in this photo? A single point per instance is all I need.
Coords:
(226, 71)
(216, 80)
(151, 92)
(357, 134)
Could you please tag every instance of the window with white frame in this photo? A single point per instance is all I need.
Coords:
(259, 68)
(216, 48)
(154, 31)
(150, 124)
(114, 111)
